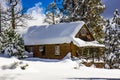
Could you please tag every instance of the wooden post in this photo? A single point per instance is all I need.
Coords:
(82, 51)
(71, 49)
(98, 54)
(88, 53)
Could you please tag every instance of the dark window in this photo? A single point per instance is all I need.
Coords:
(27, 49)
(31, 49)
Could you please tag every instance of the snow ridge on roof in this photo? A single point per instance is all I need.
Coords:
(52, 34)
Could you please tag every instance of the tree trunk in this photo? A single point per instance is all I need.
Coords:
(13, 18)
(13, 12)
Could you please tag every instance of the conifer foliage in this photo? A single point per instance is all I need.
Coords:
(112, 42)
(12, 43)
(52, 13)
(86, 10)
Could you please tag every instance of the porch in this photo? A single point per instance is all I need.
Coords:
(91, 53)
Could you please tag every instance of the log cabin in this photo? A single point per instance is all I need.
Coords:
(55, 41)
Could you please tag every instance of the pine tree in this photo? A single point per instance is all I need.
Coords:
(52, 14)
(86, 10)
(13, 43)
(107, 42)
(112, 42)
(14, 16)
(0, 19)
(1, 42)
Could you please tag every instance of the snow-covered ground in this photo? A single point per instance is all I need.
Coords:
(45, 69)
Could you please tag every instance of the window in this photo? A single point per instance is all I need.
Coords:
(31, 49)
(42, 50)
(83, 31)
(57, 50)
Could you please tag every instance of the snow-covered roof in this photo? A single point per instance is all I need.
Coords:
(54, 34)
(82, 43)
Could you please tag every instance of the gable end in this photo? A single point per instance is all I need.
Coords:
(85, 34)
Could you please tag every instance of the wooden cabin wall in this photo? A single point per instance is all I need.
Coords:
(74, 49)
(50, 50)
(64, 49)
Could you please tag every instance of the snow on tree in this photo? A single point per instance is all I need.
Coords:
(86, 10)
(1, 43)
(14, 16)
(12, 43)
(112, 42)
(1, 26)
(52, 14)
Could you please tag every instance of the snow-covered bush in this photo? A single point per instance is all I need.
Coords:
(15, 65)
(68, 56)
(13, 44)
(28, 54)
(23, 67)
(10, 66)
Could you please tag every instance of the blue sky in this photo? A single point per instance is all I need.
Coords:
(31, 3)
(111, 5)
(36, 8)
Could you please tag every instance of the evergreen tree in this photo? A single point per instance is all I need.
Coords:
(14, 16)
(1, 26)
(13, 43)
(52, 14)
(112, 42)
(86, 10)
(0, 18)
(1, 42)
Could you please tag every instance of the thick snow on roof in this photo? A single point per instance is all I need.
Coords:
(81, 43)
(55, 34)
(52, 34)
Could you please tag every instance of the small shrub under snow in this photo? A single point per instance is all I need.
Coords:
(15, 65)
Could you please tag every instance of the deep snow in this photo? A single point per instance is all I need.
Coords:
(57, 34)
(51, 69)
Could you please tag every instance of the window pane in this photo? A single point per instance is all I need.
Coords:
(42, 50)
(57, 50)
(83, 31)
(31, 49)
